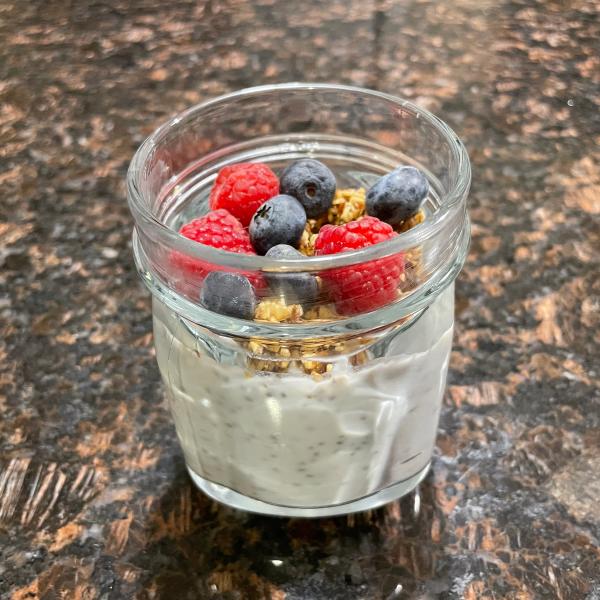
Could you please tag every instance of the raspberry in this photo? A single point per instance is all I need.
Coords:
(360, 288)
(242, 188)
(218, 229)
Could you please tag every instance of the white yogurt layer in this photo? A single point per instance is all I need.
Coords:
(289, 439)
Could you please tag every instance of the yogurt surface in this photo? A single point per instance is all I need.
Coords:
(289, 439)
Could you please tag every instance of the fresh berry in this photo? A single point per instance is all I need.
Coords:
(242, 188)
(280, 220)
(398, 195)
(296, 288)
(218, 229)
(312, 183)
(228, 294)
(364, 287)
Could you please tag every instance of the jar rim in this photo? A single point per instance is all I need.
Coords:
(451, 200)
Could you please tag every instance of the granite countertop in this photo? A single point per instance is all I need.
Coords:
(95, 502)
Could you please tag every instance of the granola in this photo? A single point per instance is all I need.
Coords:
(410, 223)
(348, 205)
(277, 311)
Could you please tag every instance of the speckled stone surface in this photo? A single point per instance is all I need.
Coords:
(94, 499)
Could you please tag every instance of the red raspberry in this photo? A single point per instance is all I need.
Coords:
(360, 288)
(218, 229)
(242, 188)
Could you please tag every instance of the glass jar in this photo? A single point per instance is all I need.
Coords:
(314, 409)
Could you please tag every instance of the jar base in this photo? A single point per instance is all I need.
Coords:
(227, 496)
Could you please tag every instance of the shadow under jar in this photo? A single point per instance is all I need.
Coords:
(331, 413)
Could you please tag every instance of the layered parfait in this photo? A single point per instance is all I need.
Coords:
(320, 421)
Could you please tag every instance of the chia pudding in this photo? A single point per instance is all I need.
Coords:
(293, 440)
(303, 291)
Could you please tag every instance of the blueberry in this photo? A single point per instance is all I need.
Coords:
(398, 195)
(228, 294)
(280, 220)
(300, 288)
(312, 183)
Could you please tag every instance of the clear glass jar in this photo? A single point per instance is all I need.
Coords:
(329, 413)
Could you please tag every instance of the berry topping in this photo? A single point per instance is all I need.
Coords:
(302, 288)
(312, 183)
(280, 220)
(363, 287)
(229, 294)
(218, 229)
(398, 195)
(242, 188)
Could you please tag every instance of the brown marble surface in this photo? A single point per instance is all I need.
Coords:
(94, 499)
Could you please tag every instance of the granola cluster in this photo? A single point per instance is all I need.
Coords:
(277, 311)
(348, 205)
(278, 357)
(311, 357)
(410, 223)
